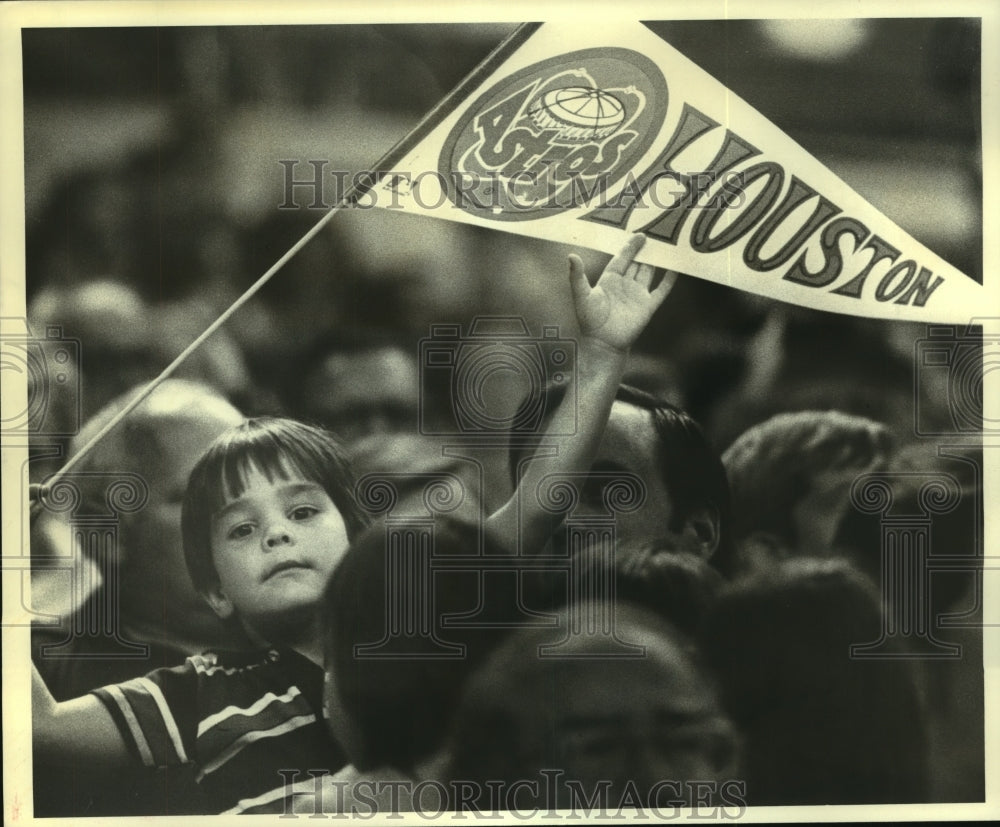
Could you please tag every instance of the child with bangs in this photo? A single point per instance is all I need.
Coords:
(267, 516)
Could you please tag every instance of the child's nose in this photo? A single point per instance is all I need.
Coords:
(277, 536)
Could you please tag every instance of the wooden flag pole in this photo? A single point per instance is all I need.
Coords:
(512, 42)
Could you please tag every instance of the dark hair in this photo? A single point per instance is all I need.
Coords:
(510, 713)
(275, 447)
(953, 531)
(772, 465)
(402, 705)
(690, 468)
(820, 726)
(678, 586)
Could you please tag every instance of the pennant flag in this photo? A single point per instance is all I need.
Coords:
(584, 134)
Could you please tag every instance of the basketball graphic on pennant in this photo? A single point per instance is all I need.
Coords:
(554, 135)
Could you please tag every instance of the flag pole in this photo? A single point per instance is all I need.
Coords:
(359, 187)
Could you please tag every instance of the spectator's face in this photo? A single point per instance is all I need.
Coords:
(364, 393)
(274, 548)
(666, 726)
(643, 720)
(629, 445)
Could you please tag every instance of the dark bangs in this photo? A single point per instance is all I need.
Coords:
(277, 448)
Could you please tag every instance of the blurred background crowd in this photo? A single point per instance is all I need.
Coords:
(154, 179)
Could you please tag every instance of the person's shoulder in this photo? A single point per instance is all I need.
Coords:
(231, 661)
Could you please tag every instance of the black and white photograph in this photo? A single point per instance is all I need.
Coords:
(522, 412)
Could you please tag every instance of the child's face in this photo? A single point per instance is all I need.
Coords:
(275, 547)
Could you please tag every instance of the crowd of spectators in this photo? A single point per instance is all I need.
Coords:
(751, 572)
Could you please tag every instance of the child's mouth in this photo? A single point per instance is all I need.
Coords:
(286, 565)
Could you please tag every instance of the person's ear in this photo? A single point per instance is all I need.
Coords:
(701, 531)
(220, 604)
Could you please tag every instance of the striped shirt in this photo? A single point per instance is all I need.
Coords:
(238, 718)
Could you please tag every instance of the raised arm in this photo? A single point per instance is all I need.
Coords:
(75, 733)
(611, 315)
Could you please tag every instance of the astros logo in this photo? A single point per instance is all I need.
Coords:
(554, 135)
(579, 113)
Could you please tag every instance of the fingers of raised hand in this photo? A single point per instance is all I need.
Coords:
(643, 274)
(665, 286)
(578, 278)
(624, 259)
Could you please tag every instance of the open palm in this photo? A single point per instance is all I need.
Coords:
(616, 309)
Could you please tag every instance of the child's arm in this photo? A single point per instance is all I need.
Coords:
(611, 315)
(75, 733)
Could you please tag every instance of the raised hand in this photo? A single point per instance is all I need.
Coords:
(616, 309)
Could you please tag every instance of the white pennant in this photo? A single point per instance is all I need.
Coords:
(583, 135)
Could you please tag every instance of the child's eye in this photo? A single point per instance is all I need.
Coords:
(303, 512)
(240, 531)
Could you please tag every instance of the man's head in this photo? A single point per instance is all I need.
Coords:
(687, 496)
(790, 479)
(820, 725)
(112, 321)
(390, 697)
(364, 392)
(912, 472)
(161, 440)
(357, 384)
(635, 721)
(678, 586)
